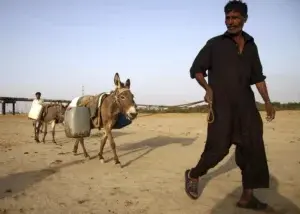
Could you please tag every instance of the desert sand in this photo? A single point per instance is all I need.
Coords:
(154, 151)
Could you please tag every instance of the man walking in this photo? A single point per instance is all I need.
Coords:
(39, 101)
(233, 65)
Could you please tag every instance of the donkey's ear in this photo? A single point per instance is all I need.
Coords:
(117, 80)
(127, 83)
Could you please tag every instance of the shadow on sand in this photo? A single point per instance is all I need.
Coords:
(148, 145)
(115, 134)
(278, 203)
(17, 182)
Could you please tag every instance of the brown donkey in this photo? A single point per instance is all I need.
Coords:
(51, 113)
(105, 113)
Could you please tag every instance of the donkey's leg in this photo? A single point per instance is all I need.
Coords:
(42, 127)
(86, 155)
(102, 144)
(45, 131)
(113, 147)
(53, 124)
(75, 148)
(37, 131)
(34, 130)
(35, 134)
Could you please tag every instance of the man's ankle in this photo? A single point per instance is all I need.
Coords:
(191, 176)
(247, 194)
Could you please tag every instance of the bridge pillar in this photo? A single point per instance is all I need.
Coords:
(14, 108)
(3, 108)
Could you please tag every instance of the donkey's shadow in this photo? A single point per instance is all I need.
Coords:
(150, 145)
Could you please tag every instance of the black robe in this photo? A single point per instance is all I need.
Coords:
(237, 120)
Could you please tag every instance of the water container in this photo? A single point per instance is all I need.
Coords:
(77, 122)
(35, 111)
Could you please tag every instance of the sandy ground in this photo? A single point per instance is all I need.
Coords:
(154, 151)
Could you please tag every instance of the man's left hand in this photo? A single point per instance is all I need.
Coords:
(270, 111)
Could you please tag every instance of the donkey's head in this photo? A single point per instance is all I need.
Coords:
(60, 112)
(124, 98)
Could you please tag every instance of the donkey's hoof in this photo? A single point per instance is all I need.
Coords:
(117, 162)
(54, 142)
(74, 153)
(37, 140)
(102, 160)
(119, 165)
(86, 156)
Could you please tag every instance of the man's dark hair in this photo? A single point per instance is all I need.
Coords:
(237, 6)
(38, 93)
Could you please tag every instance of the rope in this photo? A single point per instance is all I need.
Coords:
(210, 115)
(168, 106)
(189, 104)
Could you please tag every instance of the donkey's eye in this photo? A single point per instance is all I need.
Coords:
(122, 97)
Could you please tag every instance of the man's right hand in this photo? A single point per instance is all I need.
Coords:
(208, 96)
(270, 111)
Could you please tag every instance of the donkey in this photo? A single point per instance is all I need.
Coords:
(106, 113)
(51, 113)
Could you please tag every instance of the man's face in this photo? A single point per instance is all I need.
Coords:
(234, 22)
(38, 96)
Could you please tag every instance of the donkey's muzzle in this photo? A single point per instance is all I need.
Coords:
(132, 113)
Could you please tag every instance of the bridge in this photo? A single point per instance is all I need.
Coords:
(14, 100)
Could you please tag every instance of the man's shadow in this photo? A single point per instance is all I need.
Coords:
(277, 202)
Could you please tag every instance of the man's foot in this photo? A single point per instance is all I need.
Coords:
(191, 185)
(253, 204)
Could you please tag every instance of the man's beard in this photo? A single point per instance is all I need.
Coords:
(238, 32)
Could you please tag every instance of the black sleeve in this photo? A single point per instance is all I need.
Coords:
(202, 61)
(256, 68)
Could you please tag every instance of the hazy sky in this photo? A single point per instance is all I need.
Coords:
(57, 46)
